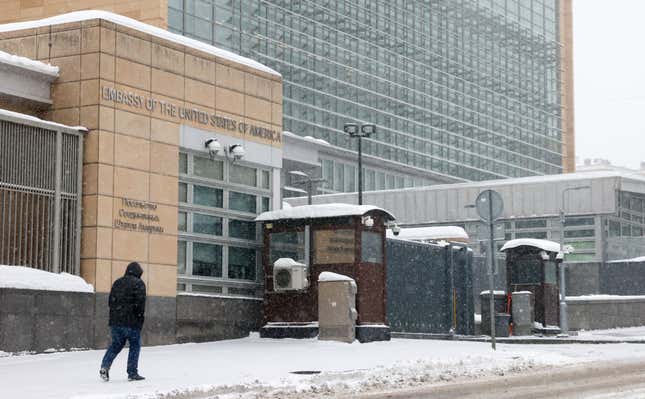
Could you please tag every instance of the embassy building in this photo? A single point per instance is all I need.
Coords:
(180, 149)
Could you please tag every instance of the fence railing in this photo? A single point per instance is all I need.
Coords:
(41, 168)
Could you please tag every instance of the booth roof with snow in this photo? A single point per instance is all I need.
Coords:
(340, 238)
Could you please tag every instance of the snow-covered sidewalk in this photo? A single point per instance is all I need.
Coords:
(263, 368)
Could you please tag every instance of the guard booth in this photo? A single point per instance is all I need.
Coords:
(339, 238)
(532, 265)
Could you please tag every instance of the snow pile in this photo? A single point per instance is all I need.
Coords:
(545, 245)
(33, 279)
(639, 259)
(78, 16)
(27, 63)
(429, 233)
(319, 211)
(330, 276)
(603, 297)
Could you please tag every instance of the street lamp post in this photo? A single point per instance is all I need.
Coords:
(564, 322)
(309, 182)
(360, 131)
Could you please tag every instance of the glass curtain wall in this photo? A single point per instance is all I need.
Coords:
(467, 88)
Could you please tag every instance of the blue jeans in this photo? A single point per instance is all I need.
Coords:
(119, 336)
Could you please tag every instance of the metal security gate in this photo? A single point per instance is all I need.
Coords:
(41, 167)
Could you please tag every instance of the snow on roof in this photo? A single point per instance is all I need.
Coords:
(307, 138)
(27, 63)
(320, 211)
(33, 279)
(287, 262)
(329, 276)
(85, 15)
(546, 245)
(53, 125)
(429, 233)
(639, 259)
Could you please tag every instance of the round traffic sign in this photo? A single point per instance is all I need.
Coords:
(489, 205)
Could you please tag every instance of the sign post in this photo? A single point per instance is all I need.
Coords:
(489, 206)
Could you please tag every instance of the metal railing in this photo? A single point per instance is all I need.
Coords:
(41, 167)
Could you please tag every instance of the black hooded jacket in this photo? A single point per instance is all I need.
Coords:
(128, 299)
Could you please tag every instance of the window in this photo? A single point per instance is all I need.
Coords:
(243, 175)
(578, 233)
(579, 222)
(207, 224)
(582, 245)
(242, 202)
(531, 234)
(181, 257)
(530, 224)
(207, 260)
(590, 257)
(181, 221)
(241, 263)
(183, 163)
(207, 196)
(371, 247)
(266, 179)
(203, 246)
(208, 168)
(183, 192)
(243, 229)
(287, 245)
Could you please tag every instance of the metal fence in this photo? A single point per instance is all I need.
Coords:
(41, 167)
(429, 288)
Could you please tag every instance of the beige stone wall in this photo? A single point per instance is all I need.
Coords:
(566, 57)
(132, 152)
(154, 12)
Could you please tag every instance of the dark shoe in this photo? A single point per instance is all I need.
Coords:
(135, 377)
(105, 374)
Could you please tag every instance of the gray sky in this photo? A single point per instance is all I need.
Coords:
(609, 80)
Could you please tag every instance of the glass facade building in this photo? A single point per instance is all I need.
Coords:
(464, 88)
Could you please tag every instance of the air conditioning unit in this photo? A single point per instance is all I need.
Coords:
(289, 275)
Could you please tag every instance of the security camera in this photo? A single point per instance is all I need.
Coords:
(213, 146)
(396, 229)
(237, 151)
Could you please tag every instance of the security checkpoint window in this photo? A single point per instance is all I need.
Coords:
(287, 245)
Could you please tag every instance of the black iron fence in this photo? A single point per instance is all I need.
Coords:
(40, 194)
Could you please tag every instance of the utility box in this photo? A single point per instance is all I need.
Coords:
(336, 307)
(499, 298)
(523, 303)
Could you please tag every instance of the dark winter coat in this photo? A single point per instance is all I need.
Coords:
(128, 299)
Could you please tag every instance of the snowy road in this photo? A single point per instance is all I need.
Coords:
(263, 368)
(620, 380)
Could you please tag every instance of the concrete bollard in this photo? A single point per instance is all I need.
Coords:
(336, 307)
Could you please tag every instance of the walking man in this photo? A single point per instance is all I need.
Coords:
(127, 307)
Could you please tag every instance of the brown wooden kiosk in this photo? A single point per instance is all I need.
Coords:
(340, 238)
(532, 265)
